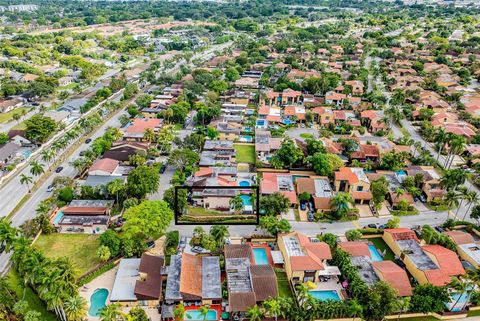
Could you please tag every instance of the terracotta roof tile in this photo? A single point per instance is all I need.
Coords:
(355, 248)
(191, 276)
(460, 237)
(395, 276)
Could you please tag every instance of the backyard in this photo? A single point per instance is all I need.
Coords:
(283, 286)
(383, 248)
(80, 249)
(245, 153)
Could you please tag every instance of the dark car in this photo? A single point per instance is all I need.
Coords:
(440, 229)
(150, 244)
(163, 168)
(197, 249)
(59, 169)
(310, 217)
(303, 206)
(88, 140)
(50, 188)
(371, 225)
(83, 152)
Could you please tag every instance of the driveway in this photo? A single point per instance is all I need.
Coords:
(295, 133)
(364, 211)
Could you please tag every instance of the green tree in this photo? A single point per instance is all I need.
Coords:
(103, 253)
(3, 138)
(274, 204)
(219, 234)
(111, 312)
(39, 128)
(181, 158)
(340, 204)
(429, 298)
(144, 100)
(211, 132)
(353, 235)
(26, 180)
(112, 241)
(115, 187)
(36, 168)
(149, 218)
(142, 181)
(379, 190)
(236, 203)
(393, 222)
(179, 312)
(169, 197)
(274, 226)
(255, 313)
(287, 155)
(76, 308)
(137, 314)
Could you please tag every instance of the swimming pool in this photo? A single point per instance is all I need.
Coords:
(195, 315)
(376, 256)
(97, 301)
(244, 183)
(246, 138)
(246, 199)
(260, 256)
(462, 299)
(58, 218)
(325, 295)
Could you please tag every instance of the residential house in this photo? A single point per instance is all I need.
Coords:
(106, 170)
(138, 281)
(136, 131)
(432, 264)
(217, 152)
(194, 279)
(431, 181)
(84, 216)
(278, 182)
(266, 145)
(357, 87)
(467, 247)
(9, 104)
(373, 120)
(7, 153)
(248, 284)
(333, 98)
(122, 150)
(354, 181)
(319, 189)
(373, 269)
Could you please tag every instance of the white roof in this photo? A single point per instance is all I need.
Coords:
(125, 279)
(277, 257)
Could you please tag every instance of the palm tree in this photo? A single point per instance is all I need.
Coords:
(340, 203)
(114, 187)
(440, 138)
(203, 312)
(472, 198)
(405, 303)
(462, 194)
(237, 203)
(149, 135)
(47, 155)
(36, 168)
(461, 286)
(451, 200)
(272, 307)
(255, 314)
(111, 312)
(27, 180)
(219, 234)
(179, 312)
(76, 308)
(16, 117)
(355, 308)
(399, 192)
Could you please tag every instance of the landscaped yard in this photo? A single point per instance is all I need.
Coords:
(283, 285)
(245, 153)
(80, 249)
(382, 246)
(201, 211)
(4, 117)
(16, 284)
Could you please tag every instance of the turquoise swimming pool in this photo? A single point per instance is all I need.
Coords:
(260, 256)
(58, 218)
(376, 256)
(325, 295)
(246, 200)
(195, 315)
(97, 302)
(244, 183)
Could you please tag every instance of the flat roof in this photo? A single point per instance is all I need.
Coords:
(416, 253)
(84, 220)
(238, 275)
(172, 290)
(472, 250)
(365, 269)
(90, 203)
(292, 245)
(125, 280)
(211, 281)
(323, 188)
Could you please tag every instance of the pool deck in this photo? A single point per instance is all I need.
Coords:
(105, 281)
(330, 285)
(267, 249)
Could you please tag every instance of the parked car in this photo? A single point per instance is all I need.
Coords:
(59, 169)
(439, 229)
(423, 199)
(303, 206)
(82, 153)
(50, 188)
(371, 225)
(382, 226)
(310, 217)
(150, 244)
(88, 140)
(163, 168)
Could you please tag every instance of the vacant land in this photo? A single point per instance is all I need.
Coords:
(245, 153)
(80, 249)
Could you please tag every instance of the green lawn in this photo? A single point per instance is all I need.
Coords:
(474, 313)
(80, 249)
(20, 125)
(69, 86)
(283, 285)
(306, 135)
(245, 153)
(16, 284)
(201, 211)
(382, 246)
(4, 117)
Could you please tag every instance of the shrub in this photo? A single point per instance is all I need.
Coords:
(353, 235)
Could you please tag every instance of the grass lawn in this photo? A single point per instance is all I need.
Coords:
(474, 313)
(80, 249)
(382, 246)
(283, 286)
(306, 135)
(69, 86)
(20, 125)
(245, 153)
(4, 117)
(15, 283)
(201, 211)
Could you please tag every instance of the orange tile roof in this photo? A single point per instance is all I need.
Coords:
(191, 276)
(302, 263)
(320, 250)
(140, 124)
(204, 171)
(346, 174)
(291, 93)
(460, 237)
(355, 248)
(289, 111)
(401, 233)
(363, 195)
(447, 260)
(269, 185)
(104, 164)
(264, 110)
(395, 276)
